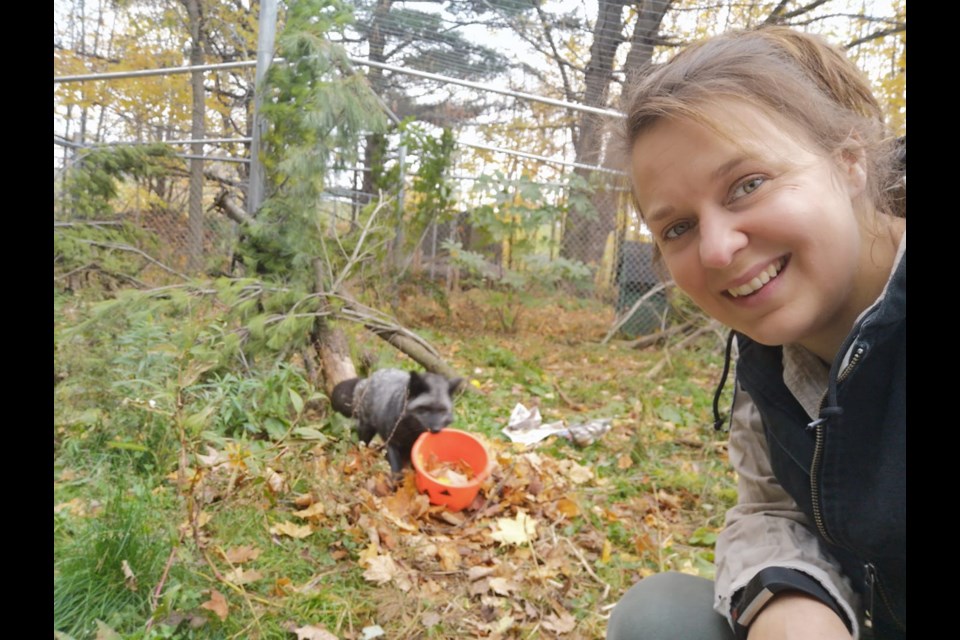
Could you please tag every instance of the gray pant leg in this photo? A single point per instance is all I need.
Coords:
(668, 606)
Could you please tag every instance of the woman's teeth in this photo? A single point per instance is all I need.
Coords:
(765, 276)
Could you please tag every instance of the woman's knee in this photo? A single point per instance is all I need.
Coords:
(667, 605)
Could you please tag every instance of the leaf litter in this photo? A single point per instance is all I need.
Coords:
(517, 562)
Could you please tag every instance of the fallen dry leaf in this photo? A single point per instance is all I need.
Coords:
(313, 512)
(449, 557)
(605, 553)
(239, 576)
(477, 572)
(578, 474)
(371, 632)
(568, 507)
(451, 517)
(313, 632)
(129, 579)
(502, 625)
(643, 543)
(431, 587)
(479, 587)
(281, 587)
(291, 529)
(407, 502)
(381, 569)
(514, 531)
(202, 519)
(388, 539)
(239, 555)
(218, 604)
(74, 506)
(502, 586)
(276, 482)
(430, 619)
(564, 623)
(624, 462)
(304, 500)
(213, 457)
(668, 500)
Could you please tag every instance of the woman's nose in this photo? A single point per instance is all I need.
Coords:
(720, 239)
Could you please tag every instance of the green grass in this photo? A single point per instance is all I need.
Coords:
(660, 484)
(89, 579)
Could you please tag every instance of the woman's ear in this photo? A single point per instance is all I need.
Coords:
(852, 163)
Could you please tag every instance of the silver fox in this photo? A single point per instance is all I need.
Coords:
(397, 405)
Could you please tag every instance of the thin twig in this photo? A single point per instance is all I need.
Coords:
(660, 336)
(93, 266)
(126, 247)
(583, 561)
(576, 406)
(89, 223)
(711, 326)
(356, 249)
(155, 596)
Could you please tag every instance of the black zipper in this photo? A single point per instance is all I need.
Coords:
(874, 587)
(818, 448)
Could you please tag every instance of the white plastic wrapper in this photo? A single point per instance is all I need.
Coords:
(525, 426)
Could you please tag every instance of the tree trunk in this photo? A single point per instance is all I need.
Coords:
(195, 207)
(375, 144)
(330, 343)
(586, 232)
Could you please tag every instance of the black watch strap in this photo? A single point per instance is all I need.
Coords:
(749, 601)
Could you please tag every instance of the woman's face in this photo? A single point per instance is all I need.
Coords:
(758, 229)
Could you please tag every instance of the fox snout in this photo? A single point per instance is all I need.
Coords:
(437, 425)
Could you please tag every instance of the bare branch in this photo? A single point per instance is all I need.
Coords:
(875, 35)
(776, 15)
(803, 9)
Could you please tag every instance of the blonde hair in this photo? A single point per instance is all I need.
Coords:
(790, 75)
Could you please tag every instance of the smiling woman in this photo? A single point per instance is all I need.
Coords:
(762, 233)
(762, 167)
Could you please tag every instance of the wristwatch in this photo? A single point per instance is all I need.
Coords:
(749, 601)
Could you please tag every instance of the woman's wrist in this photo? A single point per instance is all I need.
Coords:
(767, 585)
(792, 615)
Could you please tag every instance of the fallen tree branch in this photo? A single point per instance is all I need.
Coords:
(421, 351)
(636, 305)
(93, 266)
(235, 212)
(711, 326)
(126, 247)
(660, 336)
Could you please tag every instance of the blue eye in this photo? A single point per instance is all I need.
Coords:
(677, 230)
(747, 187)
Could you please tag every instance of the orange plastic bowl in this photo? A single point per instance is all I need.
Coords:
(450, 445)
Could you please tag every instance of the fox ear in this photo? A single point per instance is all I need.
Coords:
(455, 384)
(417, 385)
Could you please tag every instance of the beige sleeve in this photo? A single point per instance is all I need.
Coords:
(766, 528)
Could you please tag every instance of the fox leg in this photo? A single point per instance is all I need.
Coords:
(366, 432)
(396, 459)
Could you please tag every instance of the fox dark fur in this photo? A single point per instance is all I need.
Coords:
(398, 406)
